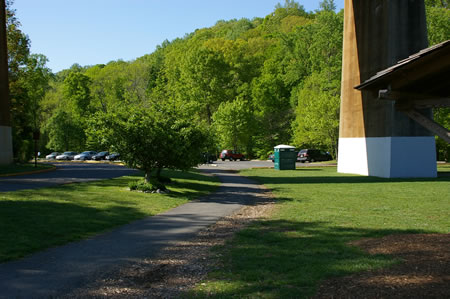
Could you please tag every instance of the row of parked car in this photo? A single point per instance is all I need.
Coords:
(304, 155)
(309, 155)
(87, 155)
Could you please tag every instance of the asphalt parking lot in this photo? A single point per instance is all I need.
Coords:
(65, 173)
(77, 172)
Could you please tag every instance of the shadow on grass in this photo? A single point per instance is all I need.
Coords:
(32, 220)
(288, 259)
(338, 179)
(29, 226)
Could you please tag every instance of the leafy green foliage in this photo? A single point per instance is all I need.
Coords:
(28, 82)
(438, 23)
(145, 186)
(249, 84)
(152, 138)
(65, 132)
(233, 123)
(76, 91)
(317, 122)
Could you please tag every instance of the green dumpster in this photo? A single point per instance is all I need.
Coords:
(285, 157)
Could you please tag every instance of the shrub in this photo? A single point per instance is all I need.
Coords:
(143, 186)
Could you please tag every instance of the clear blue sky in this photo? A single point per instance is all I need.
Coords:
(90, 32)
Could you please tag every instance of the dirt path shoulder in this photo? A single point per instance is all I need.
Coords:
(179, 267)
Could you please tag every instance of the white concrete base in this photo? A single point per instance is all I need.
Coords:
(6, 153)
(388, 157)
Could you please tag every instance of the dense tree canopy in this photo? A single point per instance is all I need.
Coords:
(28, 83)
(247, 84)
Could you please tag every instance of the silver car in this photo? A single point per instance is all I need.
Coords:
(66, 156)
(87, 155)
(52, 156)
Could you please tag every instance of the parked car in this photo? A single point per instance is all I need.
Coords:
(313, 155)
(87, 155)
(208, 158)
(231, 155)
(66, 156)
(113, 157)
(100, 156)
(52, 156)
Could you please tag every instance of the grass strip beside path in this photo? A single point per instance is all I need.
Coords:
(32, 220)
(19, 169)
(318, 212)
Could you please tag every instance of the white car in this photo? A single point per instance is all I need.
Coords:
(66, 156)
(87, 155)
(52, 156)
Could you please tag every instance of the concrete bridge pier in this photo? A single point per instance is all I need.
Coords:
(375, 139)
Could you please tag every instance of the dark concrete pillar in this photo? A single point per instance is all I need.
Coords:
(376, 139)
(6, 155)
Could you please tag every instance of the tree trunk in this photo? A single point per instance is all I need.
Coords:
(148, 175)
(158, 173)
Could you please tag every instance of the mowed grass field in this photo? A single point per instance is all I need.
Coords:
(318, 213)
(32, 220)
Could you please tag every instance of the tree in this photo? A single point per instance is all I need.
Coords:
(64, 132)
(317, 114)
(207, 79)
(28, 81)
(77, 92)
(437, 3)
(438, 24)
(327, 5)
(233, 122)
(151, 139)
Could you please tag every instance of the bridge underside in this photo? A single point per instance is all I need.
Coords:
(376, 138)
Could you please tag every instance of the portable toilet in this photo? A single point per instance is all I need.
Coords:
(285, 157)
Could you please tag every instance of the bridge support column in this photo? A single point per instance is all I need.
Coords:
(6, 152)
(375, 139)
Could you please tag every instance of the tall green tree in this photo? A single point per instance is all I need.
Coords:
(317, 117)
(438, 25)
(65, 132)
(234, 123)
(28, 81)
(207, 79)
(327, 5)
(438, 22)
(77, 92)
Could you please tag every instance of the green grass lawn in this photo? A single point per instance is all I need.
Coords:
(318, 212)
(20, 168)
(32, 220)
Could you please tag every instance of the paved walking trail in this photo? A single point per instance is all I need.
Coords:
(58, 271)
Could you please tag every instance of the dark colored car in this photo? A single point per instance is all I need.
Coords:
(100, 156)
(113, 157)
(231, 155)
(208, 158)
(313, 155)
